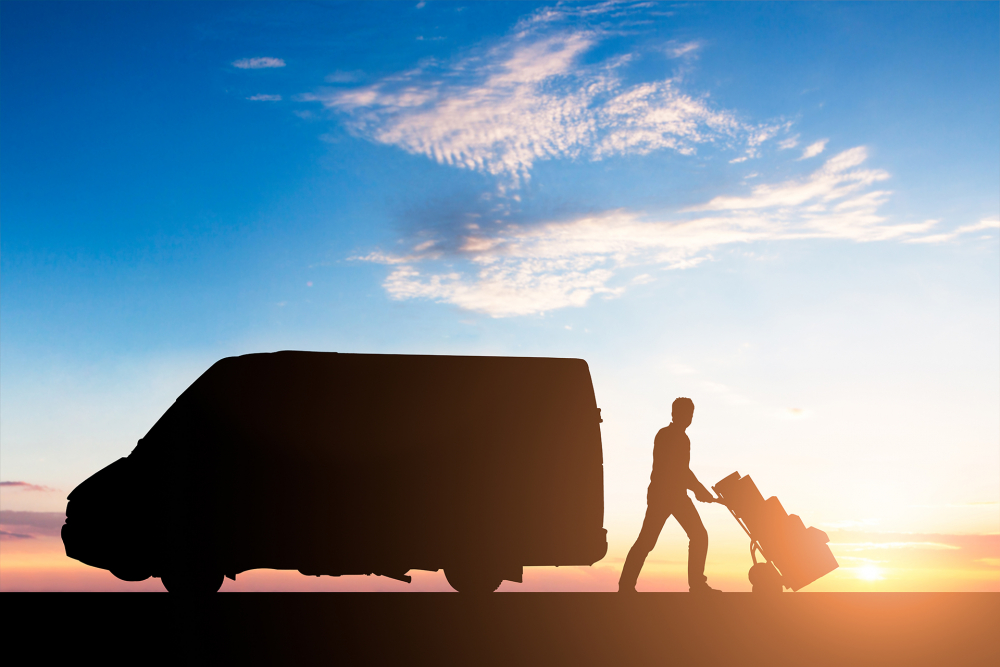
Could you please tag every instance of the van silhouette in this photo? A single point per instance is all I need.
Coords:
(334, 464)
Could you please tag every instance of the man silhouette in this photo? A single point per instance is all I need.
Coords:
(668, 485)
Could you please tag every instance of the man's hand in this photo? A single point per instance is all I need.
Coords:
(704, 496)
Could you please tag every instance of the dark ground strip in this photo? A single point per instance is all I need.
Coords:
(514, 628)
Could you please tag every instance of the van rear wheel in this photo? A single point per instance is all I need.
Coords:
(187, 581)
(472, 580)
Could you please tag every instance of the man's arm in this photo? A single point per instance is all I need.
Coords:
(700, 492)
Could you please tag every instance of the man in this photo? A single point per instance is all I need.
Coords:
(668, 485)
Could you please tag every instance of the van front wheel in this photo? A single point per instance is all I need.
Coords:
(186, 581)
(472, 580)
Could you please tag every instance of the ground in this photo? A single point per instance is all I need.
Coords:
(517, 628)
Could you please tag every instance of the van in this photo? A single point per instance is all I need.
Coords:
(334, 464)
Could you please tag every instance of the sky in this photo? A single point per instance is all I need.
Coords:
(788, 212)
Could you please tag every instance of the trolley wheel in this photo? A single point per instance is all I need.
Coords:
(765, 578)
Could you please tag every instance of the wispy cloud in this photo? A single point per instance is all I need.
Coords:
(532, 97)
(265, 98)
(790, 142)
(341, 76)
(684, 49)
(794, 413)
(814, 149)
(726, 392)
(847, 524)
(834, 181)
(258, 63)
(25, 486)
(511, 269)
(867, 546)
(29, 524)
(5, 535)
(916, 549)
(895, 557)
(983, 225)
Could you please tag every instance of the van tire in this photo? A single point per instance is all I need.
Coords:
(186, 581)
(472, 580)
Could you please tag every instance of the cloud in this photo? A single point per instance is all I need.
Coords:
(834, 180)
(922, 550)
(509, 269)
(531, 97)
(982, 225)
(258, 63)
(679, 50)
(265, 98)
(726, 393)
(32, 523)
(790, 142)
(814, 149)
(341, 76)
(873, 556)
(848, 523)
(867, 546)
(4, 535)
(25, 486)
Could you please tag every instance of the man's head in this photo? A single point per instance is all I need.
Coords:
(682, 412)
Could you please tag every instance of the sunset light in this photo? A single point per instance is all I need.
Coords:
(788, 213)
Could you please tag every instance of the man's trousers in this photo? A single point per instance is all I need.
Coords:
(658, 510)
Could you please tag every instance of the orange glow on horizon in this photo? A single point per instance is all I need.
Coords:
(40, 564)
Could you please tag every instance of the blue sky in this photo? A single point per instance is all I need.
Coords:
(787, 211)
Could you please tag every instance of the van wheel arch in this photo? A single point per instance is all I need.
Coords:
(130, 573)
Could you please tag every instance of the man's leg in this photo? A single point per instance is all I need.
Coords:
(690, 521)
(656, 516)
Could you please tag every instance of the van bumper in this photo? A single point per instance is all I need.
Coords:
(598, 549)
(586, 551)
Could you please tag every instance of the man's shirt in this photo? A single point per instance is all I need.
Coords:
(671, 462)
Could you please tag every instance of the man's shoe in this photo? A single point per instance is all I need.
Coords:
(704, 588)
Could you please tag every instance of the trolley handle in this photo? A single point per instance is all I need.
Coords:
(722, 501)
(754, 544)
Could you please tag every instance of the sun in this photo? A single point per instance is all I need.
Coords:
(869, 573)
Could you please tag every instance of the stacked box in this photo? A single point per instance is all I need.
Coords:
(800, 554)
